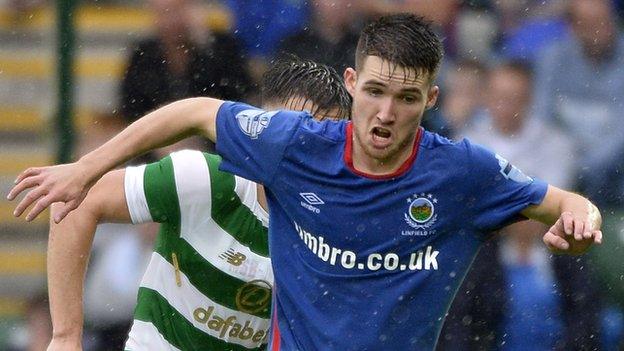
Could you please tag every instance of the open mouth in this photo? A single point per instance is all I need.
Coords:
(381, 137)
(381, 132)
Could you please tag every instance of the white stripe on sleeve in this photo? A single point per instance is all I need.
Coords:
(135, 195)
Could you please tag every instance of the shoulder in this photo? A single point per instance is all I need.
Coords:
(463, 155)
(438, 143)
(453, 158)
(329, 130)
(252, 118)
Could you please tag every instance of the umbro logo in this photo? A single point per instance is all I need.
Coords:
(311, 200)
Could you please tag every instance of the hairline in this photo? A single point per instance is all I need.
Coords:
(431, 76)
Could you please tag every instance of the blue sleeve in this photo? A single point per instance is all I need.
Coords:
(500, 190)
(252, 141)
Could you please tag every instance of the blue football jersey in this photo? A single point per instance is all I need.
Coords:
(367, 262)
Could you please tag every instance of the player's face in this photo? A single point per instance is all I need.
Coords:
(388, 104)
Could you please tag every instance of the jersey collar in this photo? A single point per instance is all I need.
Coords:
(348, 156)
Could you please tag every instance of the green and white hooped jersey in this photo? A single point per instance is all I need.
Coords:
(208, 284)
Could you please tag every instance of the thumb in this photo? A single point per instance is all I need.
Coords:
(64, 209)
(555, 242)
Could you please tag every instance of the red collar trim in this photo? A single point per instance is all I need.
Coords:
(276, 343)
(348, 156)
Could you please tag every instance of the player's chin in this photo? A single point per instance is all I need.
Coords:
(381, 154)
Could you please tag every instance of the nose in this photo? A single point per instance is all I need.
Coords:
(386, 112)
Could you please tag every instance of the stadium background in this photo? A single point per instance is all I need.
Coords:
(61, 68)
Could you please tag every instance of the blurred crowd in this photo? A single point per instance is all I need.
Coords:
(541, 82)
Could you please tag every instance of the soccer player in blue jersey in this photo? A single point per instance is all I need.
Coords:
(213, 223)
(374, 222)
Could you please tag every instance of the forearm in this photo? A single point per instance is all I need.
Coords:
(69, 246)
(558, 201)
(161, 127)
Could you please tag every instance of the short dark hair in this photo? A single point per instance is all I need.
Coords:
(291, 77)
(403, 39)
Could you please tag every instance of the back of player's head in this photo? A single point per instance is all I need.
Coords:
(290, 82)
(402, 39)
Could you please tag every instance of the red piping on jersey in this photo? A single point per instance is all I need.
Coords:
(275, 338)
(348, 156)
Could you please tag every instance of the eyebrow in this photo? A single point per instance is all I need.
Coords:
(377, 83)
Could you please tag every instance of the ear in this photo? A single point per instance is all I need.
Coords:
(350, 79)
(432, 96)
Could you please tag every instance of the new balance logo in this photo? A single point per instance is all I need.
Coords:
(311, 199)
(233, 257)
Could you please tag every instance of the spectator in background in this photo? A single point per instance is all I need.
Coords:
(463, 86)
(37, 330)
(183, 59)
(262, 24)
(580, 83)
(619, 8)
(329, 39)
(507, 125)
(517, 296)
(528, 26)
(442, 13)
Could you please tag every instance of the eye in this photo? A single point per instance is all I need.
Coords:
(409, 99)
(374, 91)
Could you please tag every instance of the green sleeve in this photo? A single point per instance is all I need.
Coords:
(161, 193)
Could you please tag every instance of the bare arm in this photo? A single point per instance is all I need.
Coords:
(575, 221)
(69, 247)
(70, 183)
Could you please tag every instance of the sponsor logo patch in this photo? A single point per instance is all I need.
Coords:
(230, 327)
(511, 172)
(233, 257)
(254, 296)
(253, 122)
(311, 199)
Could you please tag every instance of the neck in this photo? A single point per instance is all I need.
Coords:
(369, 164)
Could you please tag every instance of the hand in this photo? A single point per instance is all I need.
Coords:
(572, 236)
(68, 183)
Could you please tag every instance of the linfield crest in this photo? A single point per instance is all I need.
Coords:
(421, 214)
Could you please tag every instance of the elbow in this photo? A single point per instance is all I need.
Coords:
(203, 112)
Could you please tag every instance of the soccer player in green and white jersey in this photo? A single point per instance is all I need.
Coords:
(208, 284)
